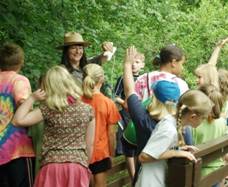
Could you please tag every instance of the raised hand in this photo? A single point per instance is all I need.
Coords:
(131, 55)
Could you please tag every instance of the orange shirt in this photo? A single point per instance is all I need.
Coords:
(106, 113)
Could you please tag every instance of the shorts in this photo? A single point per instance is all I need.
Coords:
(100, 166)
(129, 150)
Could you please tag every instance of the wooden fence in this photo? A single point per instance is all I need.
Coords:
(181, 172)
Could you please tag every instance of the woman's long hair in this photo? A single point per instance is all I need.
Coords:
(65, 60)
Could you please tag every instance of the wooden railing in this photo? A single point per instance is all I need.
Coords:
(118, 175)
(183, 173)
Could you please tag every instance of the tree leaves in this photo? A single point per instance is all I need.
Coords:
(39, 26)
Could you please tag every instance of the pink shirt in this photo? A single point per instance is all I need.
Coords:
(144, 82)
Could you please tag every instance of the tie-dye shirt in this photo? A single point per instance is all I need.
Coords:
(14, 141)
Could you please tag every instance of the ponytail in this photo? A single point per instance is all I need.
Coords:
(181, 110)
(88, 86)
(93, 75)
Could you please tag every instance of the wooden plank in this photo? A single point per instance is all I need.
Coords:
(125, 180)
(214, 155)
(216, 176)
(212, 146)
(119, 167)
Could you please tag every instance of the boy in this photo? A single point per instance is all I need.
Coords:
(16, 150)
(123, 147)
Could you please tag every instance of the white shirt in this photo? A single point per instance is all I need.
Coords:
(144, 82)
(162, 139)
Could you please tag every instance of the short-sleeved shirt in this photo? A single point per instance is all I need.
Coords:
(207, 132)
(141, 118)
(119, 87)
(78, 73)
(163, 138)
(106, 113)
(14, 141)
(144, 82)
(65, 133)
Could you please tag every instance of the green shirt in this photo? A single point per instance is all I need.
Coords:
(207, 132)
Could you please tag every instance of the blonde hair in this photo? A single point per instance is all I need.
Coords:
(59, 84)
(158, 110)
(209, 74)
(191, 101)
(93, 75)
(216, 97)
(223, 82)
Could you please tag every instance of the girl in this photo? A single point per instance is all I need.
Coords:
(212, 128)
(106, 114)
(170, 61)
(166, 93)
(207, 73)
(193, 106)
(223, 84)
(68, 132)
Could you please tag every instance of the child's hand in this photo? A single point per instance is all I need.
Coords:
(125, 105)
(190, 148)
(39, 95)
(185, 154)
(131, 54)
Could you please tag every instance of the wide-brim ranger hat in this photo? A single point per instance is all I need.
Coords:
(73, 38)
(165, 90)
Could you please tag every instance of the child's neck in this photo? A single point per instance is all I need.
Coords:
(97, 88)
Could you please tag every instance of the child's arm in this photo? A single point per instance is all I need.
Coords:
(112, 138)
(119, 101)
(214, 56)
(90, 134)
(24, 116)
(144, 157)
(129, 85)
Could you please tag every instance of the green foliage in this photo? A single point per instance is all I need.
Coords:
(38, 26)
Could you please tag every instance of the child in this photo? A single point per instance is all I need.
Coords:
(223, 84)
(212, 128)
(123, 147)
(16, 149)
(193, 106)
(142, 117)
(207, 73)
(106, 115)
(68, 133)
(170, 61)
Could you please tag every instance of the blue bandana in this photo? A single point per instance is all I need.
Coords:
(165, 90)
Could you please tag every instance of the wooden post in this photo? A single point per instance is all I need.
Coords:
(197, 173)
(180, 173)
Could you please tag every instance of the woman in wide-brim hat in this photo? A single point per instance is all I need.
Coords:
(74, 56)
